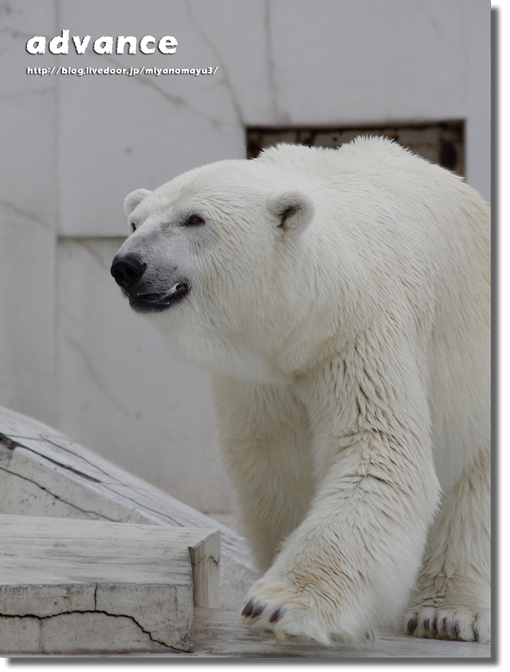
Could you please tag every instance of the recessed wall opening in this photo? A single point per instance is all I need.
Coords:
(439, 142)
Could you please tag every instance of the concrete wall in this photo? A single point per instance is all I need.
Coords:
(71, 352)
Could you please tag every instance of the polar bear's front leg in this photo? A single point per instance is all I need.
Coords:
(265, 444)
(349, 567)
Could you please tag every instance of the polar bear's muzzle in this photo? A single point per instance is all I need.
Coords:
(147, 294)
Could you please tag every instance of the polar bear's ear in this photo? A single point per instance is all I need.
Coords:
(133, 199)
(293, 210)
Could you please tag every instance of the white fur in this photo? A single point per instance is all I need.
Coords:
(348, 345)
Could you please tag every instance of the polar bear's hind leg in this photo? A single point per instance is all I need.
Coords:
(452, 600)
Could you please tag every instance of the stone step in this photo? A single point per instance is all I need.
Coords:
(86, 587)
(45, 473)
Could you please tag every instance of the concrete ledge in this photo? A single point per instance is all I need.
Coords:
(74, 586)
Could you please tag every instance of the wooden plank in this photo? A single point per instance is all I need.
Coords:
(129, 585)
(220, 634)
(205, 563)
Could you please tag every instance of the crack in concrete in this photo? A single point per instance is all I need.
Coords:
(273, 89)
(431, 19)
(60, 464)
(226, 79)
(9, 443)
(94, 611)
(94, 253)
(48, 439)
(206, 559)
(68, 315)
(26, 213)
(52, 494)
(175, 100)
(104, 485)
(94, 377)
(464, 50)
(140, 508)
(110, 488)
(22, 93)
(145, 508)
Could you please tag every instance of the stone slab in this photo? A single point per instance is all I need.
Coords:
(77, 586)
(44, 473)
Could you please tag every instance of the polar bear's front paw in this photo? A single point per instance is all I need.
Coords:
(260, 617)
(279, 608)
(449, 622)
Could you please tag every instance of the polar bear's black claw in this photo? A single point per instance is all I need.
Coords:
(275, 615)
(411, 626)
(257, 611)
(247, 609)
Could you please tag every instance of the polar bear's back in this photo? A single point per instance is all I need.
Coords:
(372, 162)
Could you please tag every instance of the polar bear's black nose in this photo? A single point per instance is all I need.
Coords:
(127, 269)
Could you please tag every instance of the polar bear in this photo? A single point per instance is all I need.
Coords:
(340, 301)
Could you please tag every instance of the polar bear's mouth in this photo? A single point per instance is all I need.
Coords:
(155, 302)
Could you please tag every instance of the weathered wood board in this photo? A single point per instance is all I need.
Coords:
(220, 634)
(76, 586)
(44, 473)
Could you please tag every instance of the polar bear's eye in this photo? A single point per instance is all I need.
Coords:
(194, 220)
(133, 226)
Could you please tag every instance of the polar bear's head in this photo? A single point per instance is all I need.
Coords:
(214, 255)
